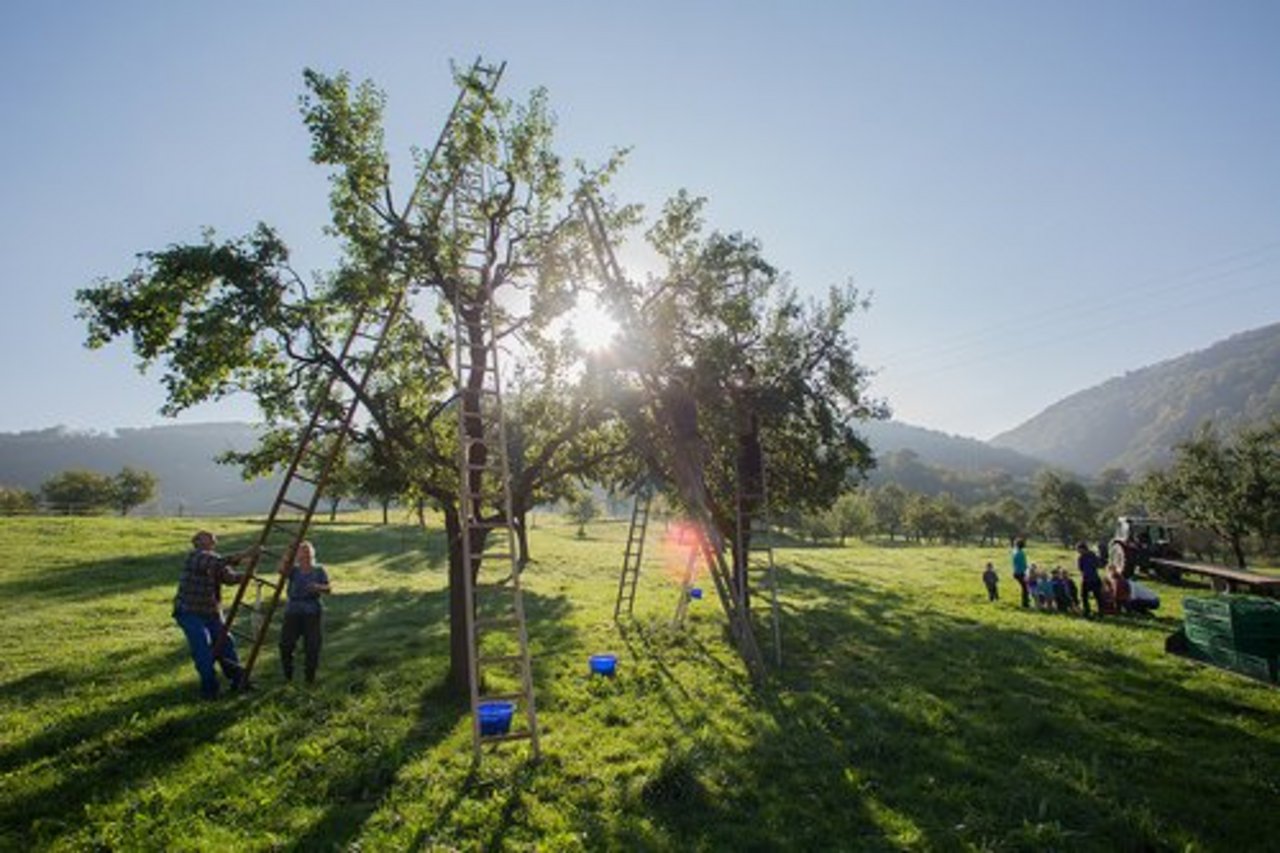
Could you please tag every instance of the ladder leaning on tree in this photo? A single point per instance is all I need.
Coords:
(497, 634)
(709, 542)
(313, 459)
(754, 545)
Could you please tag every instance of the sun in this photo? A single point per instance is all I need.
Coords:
(590, 325)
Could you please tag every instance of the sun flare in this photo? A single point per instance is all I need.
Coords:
(590, 325)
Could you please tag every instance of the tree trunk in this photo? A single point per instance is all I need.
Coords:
(385, 504)
(1237, 548)
(522, 539)
(333, 510)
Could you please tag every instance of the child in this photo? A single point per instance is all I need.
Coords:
(990, 579)
(1061, 594)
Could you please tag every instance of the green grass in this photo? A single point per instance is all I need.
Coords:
(910, 713)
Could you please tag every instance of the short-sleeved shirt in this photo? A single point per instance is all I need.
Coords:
(199, 588)
(303, 597)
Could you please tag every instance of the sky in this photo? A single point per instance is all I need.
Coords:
(1037, 196)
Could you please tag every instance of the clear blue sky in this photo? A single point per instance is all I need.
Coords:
(1041, 195)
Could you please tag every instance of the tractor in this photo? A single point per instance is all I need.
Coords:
(1138, 541)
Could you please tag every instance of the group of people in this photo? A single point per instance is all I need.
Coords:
(197, 608)
(1055, 589)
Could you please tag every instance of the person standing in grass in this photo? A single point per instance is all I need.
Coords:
(1020, 569)
(1090, 577)
(302, 614)
(990, 579)
(197, 608)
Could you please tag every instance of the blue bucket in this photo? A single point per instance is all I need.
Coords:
(604, 664)
(695, 592)
(495, 717)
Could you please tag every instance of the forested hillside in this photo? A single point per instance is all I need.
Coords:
(180, 456)
(1134, 420)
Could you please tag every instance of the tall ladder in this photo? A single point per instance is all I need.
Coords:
(755, 544)
(313, 460)
(497, 635)
(634, 554)
(740, 628)
(304, 480)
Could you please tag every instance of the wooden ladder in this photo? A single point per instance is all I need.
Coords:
(313, 459)
(497, 633)
(755, 545)
(634, 554)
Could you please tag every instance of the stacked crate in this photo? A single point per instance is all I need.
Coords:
(1236, 632)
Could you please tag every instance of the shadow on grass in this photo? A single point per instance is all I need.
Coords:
(896, 723)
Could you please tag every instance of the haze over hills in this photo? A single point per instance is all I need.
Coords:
(1133, 421)
(181, 457)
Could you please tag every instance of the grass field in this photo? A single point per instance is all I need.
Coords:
(911, 713)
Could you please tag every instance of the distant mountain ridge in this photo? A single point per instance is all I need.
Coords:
(181, 456)
(1133, 421)
(944, 450)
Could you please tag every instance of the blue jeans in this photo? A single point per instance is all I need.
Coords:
(202, 632)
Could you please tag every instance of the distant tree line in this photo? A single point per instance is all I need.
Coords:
(82, 492)
(1222, 492)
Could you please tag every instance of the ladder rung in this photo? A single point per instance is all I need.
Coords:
(241, 635)
(493, 555)
(303, 508)
(501, 660)
(507, 736)
(508, 621)
(263, 582)
(504, 697)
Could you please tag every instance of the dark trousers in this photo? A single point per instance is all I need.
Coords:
(1091, 589)
(202, 632)
(306, 626)
(993, 594)
(1026, 594)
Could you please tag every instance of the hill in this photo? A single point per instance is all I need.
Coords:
(180, 456)
(1133, 421)
(942, 450)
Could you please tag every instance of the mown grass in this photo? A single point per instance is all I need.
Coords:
(910, 712)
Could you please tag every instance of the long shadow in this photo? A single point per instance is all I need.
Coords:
(894, 721)
(360, 789)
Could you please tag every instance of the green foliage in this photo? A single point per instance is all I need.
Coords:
(1063, 510)
(78, 491)
(910, 713)
(1228, 486)
(131, 488)
(17, 501)
(582, 511)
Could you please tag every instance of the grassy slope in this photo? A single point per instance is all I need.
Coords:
(911, 713)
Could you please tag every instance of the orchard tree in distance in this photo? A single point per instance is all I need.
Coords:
(132, 488)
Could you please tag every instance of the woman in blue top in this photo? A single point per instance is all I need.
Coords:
(307, 582)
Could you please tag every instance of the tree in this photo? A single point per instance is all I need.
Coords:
(1230, 487)
(888, 505)
(582, 511)
(16, 501)
(131, 488)
(1063, 509)
(78, 491)
(851, 515)
(233, 316)
(720, 365)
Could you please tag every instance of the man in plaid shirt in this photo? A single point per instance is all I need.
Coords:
(198, 611)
